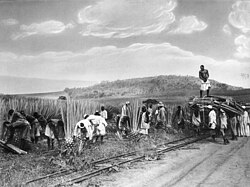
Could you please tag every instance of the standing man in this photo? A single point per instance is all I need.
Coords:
(212, 121)
(223, 125)
(246, 121)
(126, 115)
(104, 113)
(233, 124)
(42, 121)
(179, 116)
(144, 125)
(205, 83)
(196, 120)
(161, 119)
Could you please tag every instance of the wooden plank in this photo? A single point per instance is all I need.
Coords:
(12, 148)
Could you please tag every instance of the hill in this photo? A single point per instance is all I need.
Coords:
(170, 85)
(21, 85)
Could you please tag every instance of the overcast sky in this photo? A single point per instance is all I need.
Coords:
(117, 39)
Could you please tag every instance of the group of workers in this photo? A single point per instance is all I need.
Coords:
(236, 123)
(147, 118)
(31, 128)
(92, 126)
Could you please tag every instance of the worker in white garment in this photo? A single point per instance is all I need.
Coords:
(84, 127)
(246, 122)
(223, 125)
(212, 121)
(100, 126)
(104, 113)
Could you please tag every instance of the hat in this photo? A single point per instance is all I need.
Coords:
(244, 107)
(85, 116)
(81, 125)
(160, 104)
(209, 106)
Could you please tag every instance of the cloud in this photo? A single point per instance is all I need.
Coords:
(243, 46)
(112, 63)
(43, 28)
(239, 17)
(9, 22)
(126, 18)
(188, 25)
(227, 30)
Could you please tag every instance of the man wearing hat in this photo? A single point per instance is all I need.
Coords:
(83, 130)
(161, 116)
(84, 127)
(205, 83)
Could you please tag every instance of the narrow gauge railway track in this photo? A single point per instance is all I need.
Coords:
(118, 160)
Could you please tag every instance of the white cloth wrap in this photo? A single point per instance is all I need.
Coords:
(205, 85)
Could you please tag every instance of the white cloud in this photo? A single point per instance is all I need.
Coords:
(126, 18)
(43, 28)
(243, 46)
(111, 63)
(188, 25)
(227, 30)
(240, 16)
(9, 22)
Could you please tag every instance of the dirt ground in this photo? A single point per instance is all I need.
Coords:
(201, 164)
(205, 163)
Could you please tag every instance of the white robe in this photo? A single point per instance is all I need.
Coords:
(246, 123)
(89, 128)
(100, 122)
(212, 119)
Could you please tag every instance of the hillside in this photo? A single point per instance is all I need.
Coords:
(21, 85)
(170, 85)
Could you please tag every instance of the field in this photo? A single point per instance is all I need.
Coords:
(15, 169)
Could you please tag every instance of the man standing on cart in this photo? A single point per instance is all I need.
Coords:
(205, 83)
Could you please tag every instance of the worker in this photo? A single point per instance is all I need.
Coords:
(104, 113)
(35, 127)
(180, 119)
(124, 121)
(161, 118)
(196, 120)
(212, 123)
(246, 121)
(233, 126)
(144, 125)
(205, 83)
(223, 125)
(18, 121)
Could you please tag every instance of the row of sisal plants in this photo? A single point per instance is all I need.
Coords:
(70, 110)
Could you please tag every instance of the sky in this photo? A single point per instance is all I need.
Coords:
(97, 40)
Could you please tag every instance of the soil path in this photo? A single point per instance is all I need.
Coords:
(203, 164)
